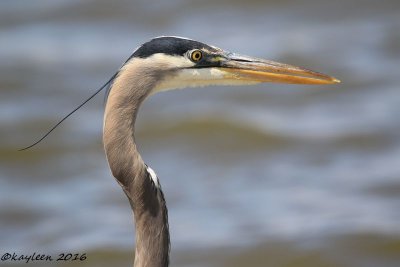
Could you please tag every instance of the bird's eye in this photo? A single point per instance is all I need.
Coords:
(196, 55)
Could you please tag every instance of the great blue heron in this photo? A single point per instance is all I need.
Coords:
(166, 63)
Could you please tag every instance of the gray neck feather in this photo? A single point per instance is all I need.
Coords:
(128, 91)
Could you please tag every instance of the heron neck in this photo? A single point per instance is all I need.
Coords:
(146, 197)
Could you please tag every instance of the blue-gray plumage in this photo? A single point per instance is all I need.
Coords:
(166, 63)
(161, 64)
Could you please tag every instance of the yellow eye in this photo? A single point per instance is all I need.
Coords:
(196, 55)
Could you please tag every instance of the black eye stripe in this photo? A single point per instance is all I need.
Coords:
(170, 46)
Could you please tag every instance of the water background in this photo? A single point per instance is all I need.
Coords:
(268, 175)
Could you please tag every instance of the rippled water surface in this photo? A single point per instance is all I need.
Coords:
(268, 175)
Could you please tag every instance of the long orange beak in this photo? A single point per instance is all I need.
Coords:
(260, 70)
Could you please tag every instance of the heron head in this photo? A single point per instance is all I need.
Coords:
(177, 62)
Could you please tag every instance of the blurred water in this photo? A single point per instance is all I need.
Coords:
(239, 166)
